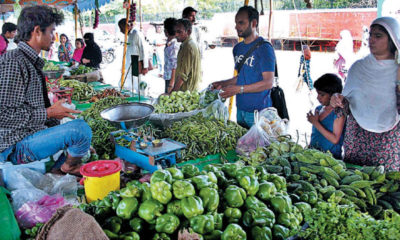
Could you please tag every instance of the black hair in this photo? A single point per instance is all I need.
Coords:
(121, 25)
(252, 13)
(42, 16)
(8, 27)
(169, 26)
(329, 83)
(392, 46)
(186, 24)
(187, 11)
(63, 35)
(81, 41)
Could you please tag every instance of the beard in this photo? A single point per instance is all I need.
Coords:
(246, 32)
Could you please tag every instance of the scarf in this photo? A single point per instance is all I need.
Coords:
(371, 90)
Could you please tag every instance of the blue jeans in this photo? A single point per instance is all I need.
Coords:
(245, 119)
(75, 136)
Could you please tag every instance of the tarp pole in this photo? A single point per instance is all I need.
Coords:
(270, 20)
(76, 20)
(140, 15)
(246, 2)
(125, 47)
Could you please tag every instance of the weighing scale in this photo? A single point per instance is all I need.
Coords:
(137, 148)
(52, 78)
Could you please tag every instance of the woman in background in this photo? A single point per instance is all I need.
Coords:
(65, 49)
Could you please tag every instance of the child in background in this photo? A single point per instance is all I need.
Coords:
(79, 46)
(327, 130)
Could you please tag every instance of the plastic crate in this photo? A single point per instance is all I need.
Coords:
(200, 163)
(8, 168)
(95, 84)
(81, 106)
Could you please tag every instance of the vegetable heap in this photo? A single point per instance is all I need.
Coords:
(82, 69)
(204, 136)
(107, 93)
(50, 66)
(101, 128)
(82, 91)
(178, 102)
(313, 175)
(228, 201)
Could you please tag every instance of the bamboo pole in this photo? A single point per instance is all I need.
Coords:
(76, 20)
(270, 20)
(125, 48)
(140, 15)
(246, 3)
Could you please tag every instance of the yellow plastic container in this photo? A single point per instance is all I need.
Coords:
(100, 178)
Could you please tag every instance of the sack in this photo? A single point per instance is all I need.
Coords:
(279, 102)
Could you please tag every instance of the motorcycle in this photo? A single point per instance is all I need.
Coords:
(108, 55)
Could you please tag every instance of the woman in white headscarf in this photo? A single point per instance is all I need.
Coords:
(344, 53)
(370, 97)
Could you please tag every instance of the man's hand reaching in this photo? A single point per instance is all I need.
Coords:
(59, 112)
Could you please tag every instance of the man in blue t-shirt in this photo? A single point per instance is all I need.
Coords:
(255, 79)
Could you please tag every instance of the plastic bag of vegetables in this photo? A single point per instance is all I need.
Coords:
(254, 138)
(217, 110)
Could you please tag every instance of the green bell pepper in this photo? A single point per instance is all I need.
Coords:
(114, 200)
(149, 210)
(233, 232)
(261, 233)
(210, 199)
(214, 235)
(175, 173)
(136, 224)
(278, 181)
(253, 203)
(212, 177)
(297, 214)
(210, 168)
(235, 196)
(202, 224)
(127, 207)
(230, 169)
(190, 170)
(259, 217)
(201, 181)
(303, 207)
(280, 232)
(130, 236)
(288, 220)
(146, 191)
(114, 223)
(233, 215)
(218, 220)
(161, 236)
(182, 189)
(192, 206)
(220, 178)
(130, 191)
(267, 191)
(161, 191)
(167, 223)
(175, 208)
(250, 184)
(245, 171)
(281, 203)
(161, 175)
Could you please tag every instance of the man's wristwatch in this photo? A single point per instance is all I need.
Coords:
(241, 89)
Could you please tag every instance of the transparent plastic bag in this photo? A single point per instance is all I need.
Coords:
(24, 178)
(254, 138)
(40, 211)
(65, 186)
(166, 119)
(271, 123)
(208, 95)
(217, 110)
(23, 195)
